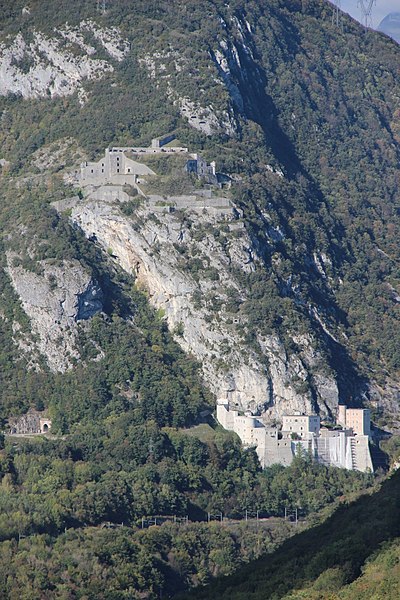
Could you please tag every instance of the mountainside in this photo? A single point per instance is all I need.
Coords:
(353, 554)
(248, 249)
(300, 307)
(391, 26)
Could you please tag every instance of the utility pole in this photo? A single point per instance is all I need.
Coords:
(290, 513)
(251, 514)
(151, 450)
(215, 517)
(336, 14)
(366, 11)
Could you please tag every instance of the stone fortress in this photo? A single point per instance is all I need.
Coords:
(346, 447)
(116, 168)
(104, 180)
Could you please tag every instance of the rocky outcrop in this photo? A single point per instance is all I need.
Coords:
(58, 65)
(185, 259)
(203, 117)
(299, 379)
(55, 300)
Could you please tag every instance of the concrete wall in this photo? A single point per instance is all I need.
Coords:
(161, 141)
(342, 449)
(334, 448)
(357, 419)
(362, 460)
(109, 193)
(151, 150)
(337, 448)
(302, 425)
(225, 416)
(115, 167)
(278, 451)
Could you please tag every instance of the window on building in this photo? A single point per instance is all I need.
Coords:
(117, 170)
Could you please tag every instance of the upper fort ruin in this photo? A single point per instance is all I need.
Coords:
(119, 169)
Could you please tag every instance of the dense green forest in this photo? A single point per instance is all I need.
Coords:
(56, 496)
(353, 554)
(321, 106)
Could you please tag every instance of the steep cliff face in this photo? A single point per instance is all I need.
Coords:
(58, 65)
(186, 261)
(55, 300)
(291, 301)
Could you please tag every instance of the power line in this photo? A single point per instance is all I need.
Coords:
(292, 514)
(366, 11)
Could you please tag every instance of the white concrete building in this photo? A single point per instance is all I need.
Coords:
(337, 447)
(115, 168)
(250, 429)
(301, 425)
(118, 169)
(196, 164)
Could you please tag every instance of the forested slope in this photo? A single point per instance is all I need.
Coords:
(287, 94)
(305, 119)
(355, 553)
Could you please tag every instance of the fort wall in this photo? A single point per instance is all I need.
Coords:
(335, 447)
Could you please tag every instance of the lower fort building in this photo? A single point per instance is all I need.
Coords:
(346, 445)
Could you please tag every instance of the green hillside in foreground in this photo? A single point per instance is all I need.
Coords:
(353, 554)
(308, 126)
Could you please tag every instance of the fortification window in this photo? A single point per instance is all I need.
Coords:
(117, 170)
(129, 170)
(91, 170)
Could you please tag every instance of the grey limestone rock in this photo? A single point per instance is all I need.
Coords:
(60, 64)
(157, 248)
(55, 300)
